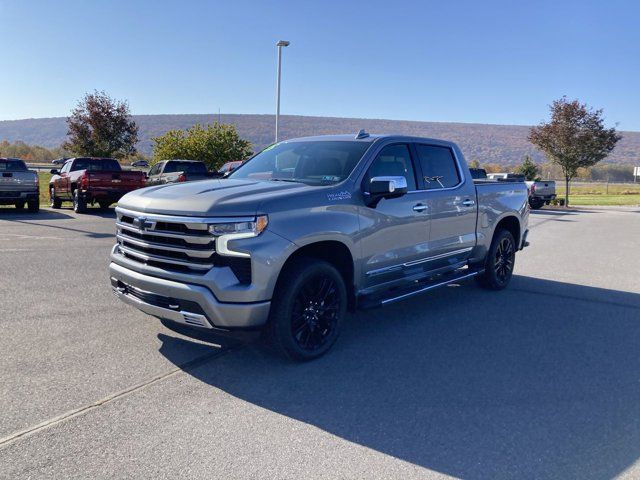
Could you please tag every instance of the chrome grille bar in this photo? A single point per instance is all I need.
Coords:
(160, 246)
(189, 238)
(147, 257)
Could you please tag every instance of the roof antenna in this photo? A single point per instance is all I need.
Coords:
(361, 134)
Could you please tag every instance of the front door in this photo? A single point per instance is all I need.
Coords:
(395, 231)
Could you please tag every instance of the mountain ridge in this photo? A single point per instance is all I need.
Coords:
(487, 143)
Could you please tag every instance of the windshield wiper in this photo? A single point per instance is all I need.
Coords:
(284, 180)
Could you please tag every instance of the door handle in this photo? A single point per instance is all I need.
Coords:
(420, 207)
(468, 203)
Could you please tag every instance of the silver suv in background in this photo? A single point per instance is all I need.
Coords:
(311, 228)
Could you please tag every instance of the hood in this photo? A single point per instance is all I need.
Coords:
(208, 198)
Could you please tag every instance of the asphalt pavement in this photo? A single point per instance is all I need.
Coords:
(541, 380)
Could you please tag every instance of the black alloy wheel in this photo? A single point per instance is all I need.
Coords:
(308, 308)
(500, 262)
(504, 259)
(315, 310)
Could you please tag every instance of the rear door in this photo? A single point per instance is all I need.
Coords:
(451, 200)
(62, 183)
(396, 230)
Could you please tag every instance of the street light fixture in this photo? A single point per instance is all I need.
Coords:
(280, 44)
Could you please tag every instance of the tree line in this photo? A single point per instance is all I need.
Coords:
(574, 141)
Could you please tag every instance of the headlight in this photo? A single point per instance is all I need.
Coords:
(236, 231)
(256, 227)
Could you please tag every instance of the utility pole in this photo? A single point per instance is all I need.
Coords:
(280, 44)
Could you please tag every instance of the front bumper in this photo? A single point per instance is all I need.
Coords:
(192, 305)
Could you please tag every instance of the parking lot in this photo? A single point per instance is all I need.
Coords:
(539, 381)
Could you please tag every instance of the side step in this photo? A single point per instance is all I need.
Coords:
(373, 301)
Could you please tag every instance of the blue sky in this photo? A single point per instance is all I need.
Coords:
(476, 61)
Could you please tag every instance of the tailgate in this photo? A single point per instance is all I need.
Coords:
(116, 180)
(545, 188)
(18, 181)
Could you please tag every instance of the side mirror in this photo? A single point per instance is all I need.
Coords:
(54, 171)
(385, 187)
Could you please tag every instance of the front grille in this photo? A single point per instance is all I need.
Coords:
(174, 245)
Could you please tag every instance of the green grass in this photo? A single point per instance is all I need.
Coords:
(599, 194)
(44, 187)
(604, 200)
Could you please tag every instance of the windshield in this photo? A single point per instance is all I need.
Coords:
(313, 163)
(12, 165)
(187, 167)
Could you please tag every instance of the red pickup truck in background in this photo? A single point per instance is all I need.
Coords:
(86, 181)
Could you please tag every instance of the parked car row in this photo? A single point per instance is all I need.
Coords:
(86, 181)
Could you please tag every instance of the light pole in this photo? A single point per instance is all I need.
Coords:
(280, 44)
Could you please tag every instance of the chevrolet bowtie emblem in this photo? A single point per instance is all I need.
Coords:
(141, 223)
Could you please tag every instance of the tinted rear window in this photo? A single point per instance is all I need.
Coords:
(187, 167)
(438, 167)
(96, 165)
(12, 166)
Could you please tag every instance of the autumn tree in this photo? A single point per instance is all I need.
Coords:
(100, 126)
(474, 163)
(212, 144)
(574, 138)
(529, 169)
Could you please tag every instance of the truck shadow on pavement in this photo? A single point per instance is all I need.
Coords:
(13, 214)
(538, 381)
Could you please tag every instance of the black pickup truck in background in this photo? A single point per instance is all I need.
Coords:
(173, 171)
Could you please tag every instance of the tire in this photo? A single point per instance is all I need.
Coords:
(20, 205)
(307, 310)
(536, 203)
(34, 205)
(500, 262)
(54, 202)
(79, 203)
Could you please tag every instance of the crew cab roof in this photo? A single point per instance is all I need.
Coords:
(369, 139)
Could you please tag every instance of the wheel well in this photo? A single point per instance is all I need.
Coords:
(333, 252)
(512, 224)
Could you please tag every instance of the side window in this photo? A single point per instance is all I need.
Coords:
(65, 167)
(79, 165)
(154, 170)
(395, 161)
(170, 167)
(438, 167)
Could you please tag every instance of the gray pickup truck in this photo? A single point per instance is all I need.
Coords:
(175, 171)
(19, 186)
(311, 228)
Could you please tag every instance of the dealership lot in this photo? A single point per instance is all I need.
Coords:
(539, 381)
